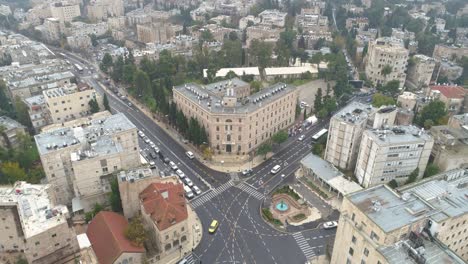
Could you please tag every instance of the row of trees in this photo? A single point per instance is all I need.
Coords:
(323, 105)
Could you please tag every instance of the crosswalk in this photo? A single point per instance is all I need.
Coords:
(303, 245)
(250, 190)
(199, 201)
(190, 259)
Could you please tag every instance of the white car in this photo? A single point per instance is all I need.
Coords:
(190, 154)
(180, 174)
(188, 182)
(152, 165)
(141, 134)
(152, 144)
(173, 165)
(275, 169)
(330, 225)
(301, 138)
(147, 141)
(196, 190)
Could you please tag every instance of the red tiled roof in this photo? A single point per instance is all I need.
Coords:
(450, 91)
(106, 234)
(165, 203)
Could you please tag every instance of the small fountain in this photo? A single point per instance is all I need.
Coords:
(282, 206)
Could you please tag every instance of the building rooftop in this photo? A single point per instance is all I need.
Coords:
(165, 203)
(37, 213)
(66, 90)
(238, 71)
(198, 94)
(398, 134)
(93, 134)
(133, 175)
(37, 80)
(9, 123)
(355, 113)
(450, 91)
(106, 234)
(36, 100)
(428, 253)
(462, 119)
(223, 86)
(312, 68)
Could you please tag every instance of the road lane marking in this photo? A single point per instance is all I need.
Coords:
(303, 245)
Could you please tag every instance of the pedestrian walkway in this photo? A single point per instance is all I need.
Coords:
(304, 245)
(190, 259)
(250, 190)
(199, 201)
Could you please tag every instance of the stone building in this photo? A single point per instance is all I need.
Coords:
(420, 72)
(450, 147)
(9, 131)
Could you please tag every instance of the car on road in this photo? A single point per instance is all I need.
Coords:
(152, 144)
(246, 172)
(152, 155)
(330, 224)
(173, 165)
(275, 169)
(156, 149)
(213, 227)
(188, 182)
(190, 154)
(147, 141)
(166, 160)
(152, 165)
(188, 192)
(196, 190)
(180, 174)
(301, 138)
(141, 134)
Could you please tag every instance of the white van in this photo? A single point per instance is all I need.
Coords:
(190, 154)
(275, 169)
(188, 192)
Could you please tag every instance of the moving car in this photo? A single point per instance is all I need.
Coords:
(180, 174)
(196, 190)
(330, 225)
(301, 137)
(188, 182)
(275, 169)
(189, 154)
(213, 227)
(173, 165)
(246, 172)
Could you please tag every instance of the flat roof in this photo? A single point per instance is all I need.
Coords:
(238, 71)
(199, 95)
(95, 136)
(9, 123)
(36, 211)
(355, 113)
(291, 70)
(398, 134)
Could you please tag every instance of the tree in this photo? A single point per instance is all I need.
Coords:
(393, 184)
(386, 70)
(22, 114)
(264, 149)
(379, 99)
(114, 198)
(11, 172)
(318, 149)
(435, 112)
(128, 73)
(280, 137)
(135, 232)
(21, 260)
(318, 100)
(413, 176)
(305, 113)
(391, 88)
(431, 170)
(7, 107)
(96, 209)
(118, 69)
(142, 84)
(260, 52)
(106, 63)
(93, 106)
(93, 38)
(255, 87)
(106, 103)
(207, 152)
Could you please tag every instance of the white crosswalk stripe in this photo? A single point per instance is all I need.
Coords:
(250, 190)
(211, 194)
(303, 245)
(190, 259)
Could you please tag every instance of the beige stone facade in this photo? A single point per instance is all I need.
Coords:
(378, 225)
(79, 156)
(237, 124)
(34, 224)
(65, 12)
(264, 33)
(9, 131)
(154, 32)
(386, 52)
(69, 102)
(420, 73)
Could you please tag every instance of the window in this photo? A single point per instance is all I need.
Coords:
(37, 243)
(228, 137)
(363, 261)
(182, 229)
(54, 235)
(351, 251)
(57, 244)
(352, 217)
(366, 252)
(353, 239)
(374, 236)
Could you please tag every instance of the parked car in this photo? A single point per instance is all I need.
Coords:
(141, 134)
(246, 172)
(301, 138)
(188, 182)
(330, 225)
(147, 141)
(152, 144)
(152, 165)
(156, 150)
(166, 160)
(196, 190)
(180, 174)
(173, 165)
(152, 155)
(190, 154)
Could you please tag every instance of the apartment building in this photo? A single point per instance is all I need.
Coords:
(272, 17)
(450, 149)
(344, 134)
(37, 111)
(9, 130)
(99, 10)
(379, 225)
(164, 212)
(52, 29)
(458, 121)
(70, 101)
(35, 85)
(386, 53)
(83, 29)
(263, 33)
(237, 123)
(447, 52)
(453, 96)
(34, 224)
(154, 32)
(407, 100)
(80, 156)
(392, 154)
(65, 12)
(357, 22)
(420, 71)
(311, 20)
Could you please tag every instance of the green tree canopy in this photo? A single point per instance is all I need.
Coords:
(12, 172)
(390, 88)
(106, 63)
(93, 106)
(106, 103)
(260, 52)
(264, 149)
(379, 99)
(114, 198)
(135, 232)
(413, 176)
(431, 170)
(280, 137)
(434, 112)
(318, 100)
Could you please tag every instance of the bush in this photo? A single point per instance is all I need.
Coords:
(316, 189)
(393, 184)
(286, 190)
(299, 217)
(269, 217)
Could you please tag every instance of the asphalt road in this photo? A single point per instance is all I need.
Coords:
(242, 236)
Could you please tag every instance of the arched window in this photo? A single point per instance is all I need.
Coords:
(183, 239)
(167, 247)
